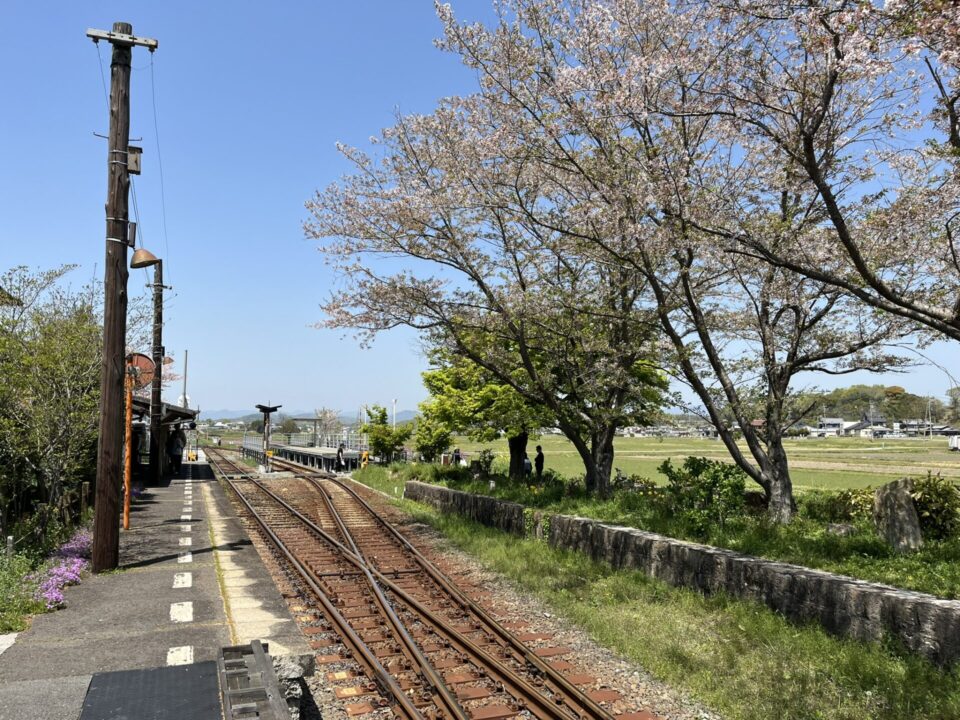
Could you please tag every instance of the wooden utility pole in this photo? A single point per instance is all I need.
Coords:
(156, 450)
(106, 530)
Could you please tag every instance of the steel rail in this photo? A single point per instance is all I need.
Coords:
(590, 707)
(428, 672)
(522, 691)
(358, 648)
(587, 706)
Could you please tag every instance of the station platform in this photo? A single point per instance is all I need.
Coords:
(189, 582)
(324, 458)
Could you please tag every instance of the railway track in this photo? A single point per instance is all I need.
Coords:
(422, 646)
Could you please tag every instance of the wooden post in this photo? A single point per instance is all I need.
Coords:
(106, 532)
(156, 459)
(84, 497)
(128, 442)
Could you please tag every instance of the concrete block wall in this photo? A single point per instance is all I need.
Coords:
(926, 625)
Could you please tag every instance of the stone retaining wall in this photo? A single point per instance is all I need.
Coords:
(489, 511)
(926, 625)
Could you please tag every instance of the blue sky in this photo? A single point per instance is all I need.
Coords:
(250, 99)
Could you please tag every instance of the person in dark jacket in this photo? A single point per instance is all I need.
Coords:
(538, 462)
(175, 445)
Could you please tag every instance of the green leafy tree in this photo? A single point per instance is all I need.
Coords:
(289, 425)
(385, 440)
(466, 398)
(50, 356)
(431, 439)
(953, 404)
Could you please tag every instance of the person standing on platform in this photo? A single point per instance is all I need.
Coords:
(175, 445)
(538, 462)
(341, 463)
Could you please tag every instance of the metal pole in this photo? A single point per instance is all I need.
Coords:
(266, 441)
(106, 533)
(186, 357)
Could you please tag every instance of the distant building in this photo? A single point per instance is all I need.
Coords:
(830, 427)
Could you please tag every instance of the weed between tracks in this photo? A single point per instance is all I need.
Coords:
(739, 658)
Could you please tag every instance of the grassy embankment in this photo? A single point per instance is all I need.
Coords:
(739, 658)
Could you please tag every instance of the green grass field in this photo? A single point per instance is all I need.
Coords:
(826, 463)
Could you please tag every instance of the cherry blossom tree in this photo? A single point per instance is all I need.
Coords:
(430, 237)
(624, 109)
(859, 102)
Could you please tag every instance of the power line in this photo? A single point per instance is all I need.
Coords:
(103, 79)
(136, 215)
(156, 132)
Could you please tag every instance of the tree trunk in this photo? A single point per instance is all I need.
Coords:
(603, 460)
(598, 462)
(518, 451)
(779, 488)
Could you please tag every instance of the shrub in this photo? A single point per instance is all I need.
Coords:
(485, 460)
(938, 506)
(841, 506)
(704, 492)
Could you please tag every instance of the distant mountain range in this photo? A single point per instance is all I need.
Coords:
(246, 416)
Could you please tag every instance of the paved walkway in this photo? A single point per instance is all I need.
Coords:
(165, 606)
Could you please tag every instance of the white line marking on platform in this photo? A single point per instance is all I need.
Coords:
(7, 641)
(183, 580)
(182, 655)
(181, 612)
(186, 528)
(185, 518)
(185, 557)
(186, 541)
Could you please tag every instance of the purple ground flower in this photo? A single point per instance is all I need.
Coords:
(67, 565)
(78, 546)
